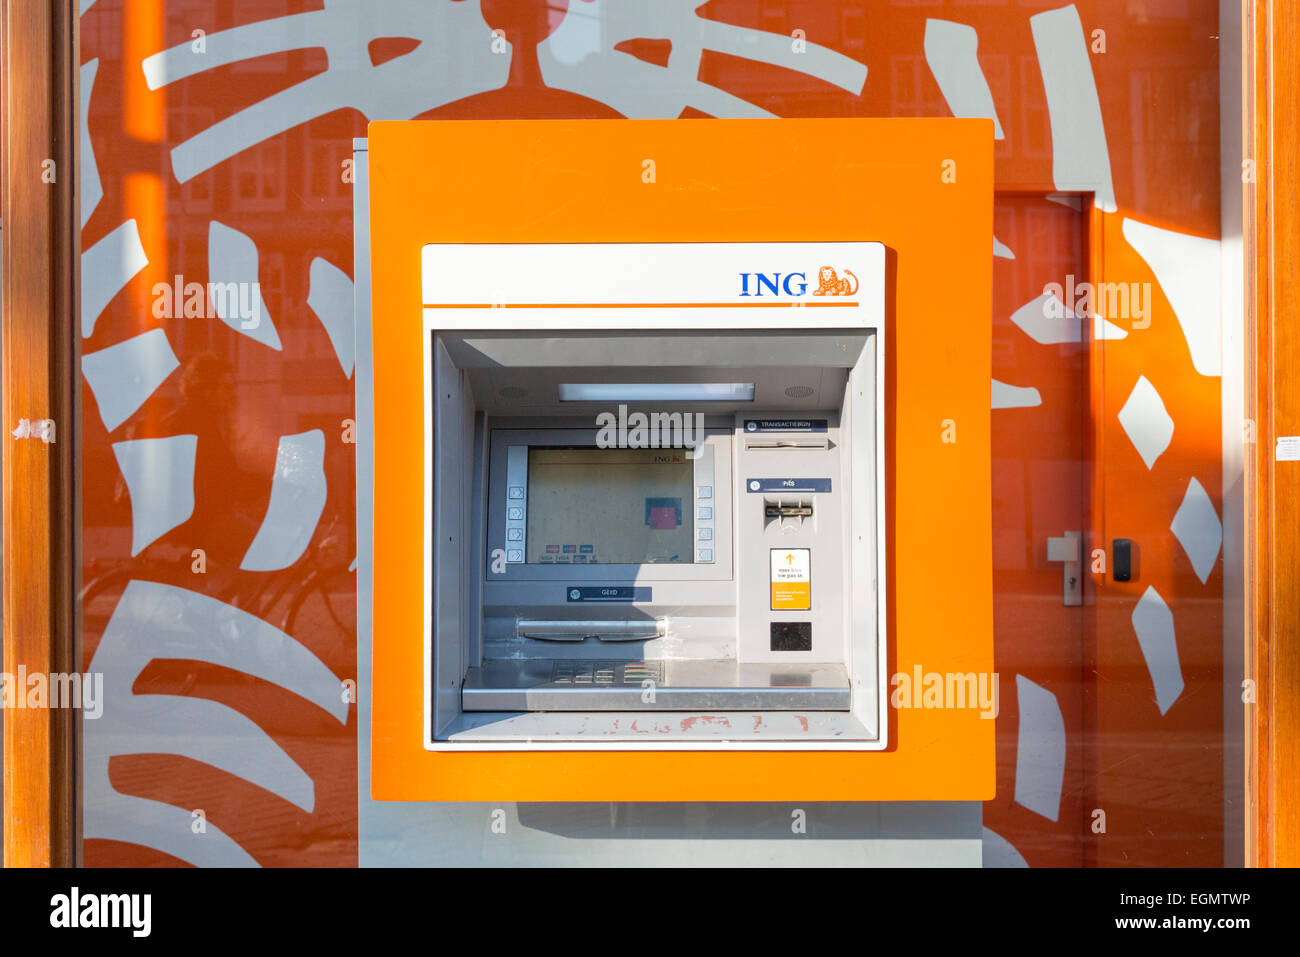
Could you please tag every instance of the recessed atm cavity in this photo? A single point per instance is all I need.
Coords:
(590, 567)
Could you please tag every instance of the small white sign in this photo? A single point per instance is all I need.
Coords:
(791, 565)
(1288, 448)
(791, 579)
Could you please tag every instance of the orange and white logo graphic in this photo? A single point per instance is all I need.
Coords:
(830, 284)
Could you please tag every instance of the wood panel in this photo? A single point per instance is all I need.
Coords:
(39, 362)
(1273, 487)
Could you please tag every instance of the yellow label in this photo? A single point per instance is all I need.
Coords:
(791, 596)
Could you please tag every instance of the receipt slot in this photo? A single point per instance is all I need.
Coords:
(657, 468)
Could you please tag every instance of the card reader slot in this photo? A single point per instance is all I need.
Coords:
(787, 511)
(790, 514)
(567, 630)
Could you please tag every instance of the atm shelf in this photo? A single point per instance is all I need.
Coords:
(553, 684)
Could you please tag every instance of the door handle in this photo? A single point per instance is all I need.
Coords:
(1068, 551)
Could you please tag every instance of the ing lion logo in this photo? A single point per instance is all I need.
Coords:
(830, 284)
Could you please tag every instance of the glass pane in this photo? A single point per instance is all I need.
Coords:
(225, 589)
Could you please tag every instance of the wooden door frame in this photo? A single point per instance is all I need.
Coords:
(41, 354)
(1272, 233)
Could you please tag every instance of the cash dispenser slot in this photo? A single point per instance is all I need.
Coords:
(561, 630)
(570, 684)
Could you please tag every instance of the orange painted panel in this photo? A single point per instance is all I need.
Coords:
(717, 181)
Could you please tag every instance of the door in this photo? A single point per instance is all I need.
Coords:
(1040, 495)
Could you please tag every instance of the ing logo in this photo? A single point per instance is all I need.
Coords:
(830, 284)
(795, 284)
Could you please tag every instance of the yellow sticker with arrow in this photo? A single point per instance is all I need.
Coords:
(791, 579)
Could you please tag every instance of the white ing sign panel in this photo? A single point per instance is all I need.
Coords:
(654, 285)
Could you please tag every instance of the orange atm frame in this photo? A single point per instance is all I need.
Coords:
(923, 188)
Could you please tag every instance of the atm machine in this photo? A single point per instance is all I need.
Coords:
(665, 491)
(656, 495)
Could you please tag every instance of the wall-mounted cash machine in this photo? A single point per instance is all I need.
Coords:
(657, 494)
(661, 499)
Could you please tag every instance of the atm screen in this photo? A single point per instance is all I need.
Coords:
(593, 506)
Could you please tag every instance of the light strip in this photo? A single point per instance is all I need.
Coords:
(656, 392)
